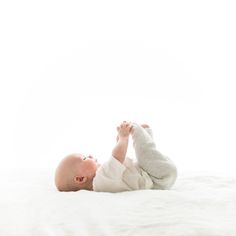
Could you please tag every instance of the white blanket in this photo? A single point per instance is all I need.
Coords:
(198, 205)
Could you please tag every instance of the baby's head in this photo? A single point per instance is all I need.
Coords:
(76, 172)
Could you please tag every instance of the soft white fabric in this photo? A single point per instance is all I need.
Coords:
(113, 176)
(152, 169)
(160, 168)
(199, 204)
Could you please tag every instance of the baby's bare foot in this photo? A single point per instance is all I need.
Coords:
(145, 126)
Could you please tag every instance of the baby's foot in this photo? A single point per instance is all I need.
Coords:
(145, 126)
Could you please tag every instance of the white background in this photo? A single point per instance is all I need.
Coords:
(71, 71)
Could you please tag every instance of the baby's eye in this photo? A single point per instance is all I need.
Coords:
(84, 158)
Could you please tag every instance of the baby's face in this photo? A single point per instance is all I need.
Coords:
(87, 165)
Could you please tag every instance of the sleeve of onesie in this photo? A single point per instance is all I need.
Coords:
(109, 175)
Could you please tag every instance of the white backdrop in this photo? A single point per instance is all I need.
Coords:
(71, 71)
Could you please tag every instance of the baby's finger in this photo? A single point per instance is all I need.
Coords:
(128, 124)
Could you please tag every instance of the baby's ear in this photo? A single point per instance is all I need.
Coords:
(80, 179)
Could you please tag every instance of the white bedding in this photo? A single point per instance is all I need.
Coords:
(198, 205)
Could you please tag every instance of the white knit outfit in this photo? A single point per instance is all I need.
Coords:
(151, 171)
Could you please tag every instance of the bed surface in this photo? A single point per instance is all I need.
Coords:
(199, 204)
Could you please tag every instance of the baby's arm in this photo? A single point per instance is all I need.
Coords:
(119, 151)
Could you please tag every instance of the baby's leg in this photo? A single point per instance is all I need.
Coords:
(148, 129)
(160, 168)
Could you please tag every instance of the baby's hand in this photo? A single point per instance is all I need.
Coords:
(124, 130)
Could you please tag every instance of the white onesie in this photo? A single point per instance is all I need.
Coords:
(113, 176)
(151, 171)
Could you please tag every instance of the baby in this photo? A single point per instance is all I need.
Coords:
(151, 171)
